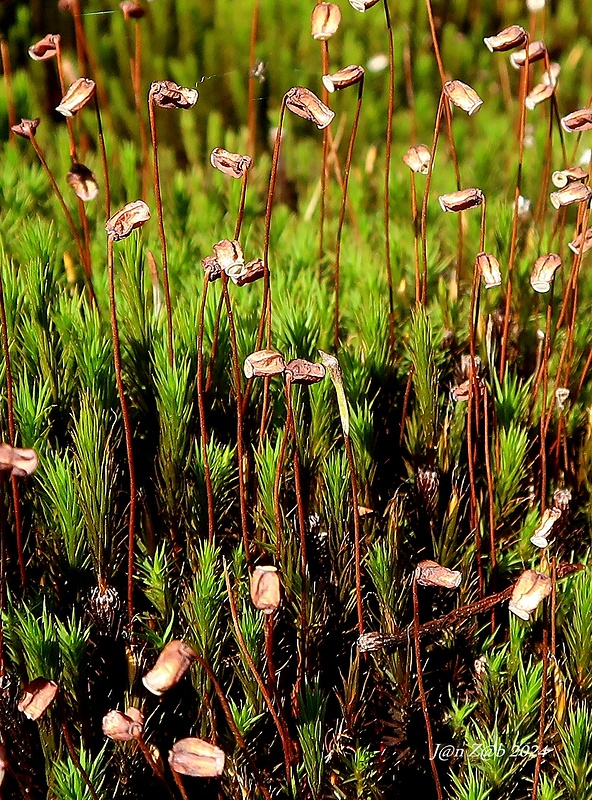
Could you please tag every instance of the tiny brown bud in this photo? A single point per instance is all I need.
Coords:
(577, 121)
(304, 103)
(300, 370)
(123, 727)
(132, 10)
(562, 177)
(562, 499)
(508, 39)
(251, 272)
(211, 267)
(343, 78)
(540, 93)
(37, 697)
(168, 94)
(265, 589)
(231, 164)
(83, 182)
(574, 192)
(197, 758)
(264, 363)
(325, 21)
(122, 223)
(77, 96)
(530, 588)
(463, 96)
(26, 127)
(229, 255)
(462, 200)
(17, 461)
(536, 51)
(430, 573)
(363, 5)
(544, 271)
(582, 242)
(489, 268)
(45, 48)
(171, 665)
(418, 159)
(541, 534)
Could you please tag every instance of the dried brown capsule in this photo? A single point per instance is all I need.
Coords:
(300, 370)
(530, 588)
(168, 94)
(304, 103)
(544, 271)
(343, 78)
(264, 364)
(211, 267)
(197, 758)
(363, 5)
(231, 164)
(561, 397)
(251, 272)
(536, 51)
(37, 697)
(582, 243)
(18, 461)
(550, 76)
(229, 255)
(541, 534)
(45, 48)
(132, 10)
(462, 200)
(463, 96)
(173, 662)
(574, 192)
(77, 96)
(562, 499)
(26, 127)
(418, 159)
(562, 177)
(83, 182)
(430, 573)
(489, 268)
(508, 39)
(265, 589)
(123, 727)
(325, 21)
(122, 223)
(540, 93)
(577, 121)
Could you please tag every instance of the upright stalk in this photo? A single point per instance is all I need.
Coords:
(161, 233)
(387, 170)
(203, 431)
(7, 72)
(348, 161)
(325, 167)
(127, 427)
(426, 194)
(18, 523)
(252, 110)
(357, 532)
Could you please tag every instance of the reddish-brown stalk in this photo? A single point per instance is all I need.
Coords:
(127, 427)
(348, 162)
(252, 108)
(543, 709)
(161, 233)
(545, 379)
(277, 510)
(325, 167)
(178, 780)
(357, 531)
(136, 75)
(76, 761)
(203, 431)
(240, 405)
(7, 72)
(416, 237)
(514, 235)
(279, 721)
(448, 113)
(422, 694)
(79, 244)
(426, 193)
(154, 764)
(491, 503)
(302, 533)
(104, 162)
(387, 170)
(18, 523)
